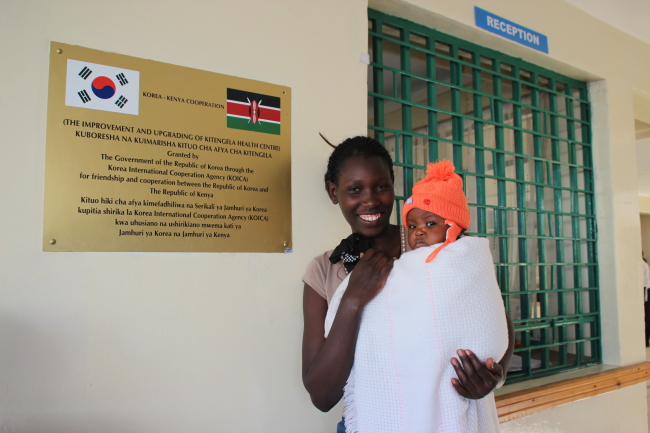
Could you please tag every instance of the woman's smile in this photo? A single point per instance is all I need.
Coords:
(370, 218)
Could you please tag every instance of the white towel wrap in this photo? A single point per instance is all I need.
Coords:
(401, 378)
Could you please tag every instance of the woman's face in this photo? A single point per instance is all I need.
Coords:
(364, 192)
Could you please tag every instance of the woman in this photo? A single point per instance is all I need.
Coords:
(360, 179)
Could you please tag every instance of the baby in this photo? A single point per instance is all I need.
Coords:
(401, 378)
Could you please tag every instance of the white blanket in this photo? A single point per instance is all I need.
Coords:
(401, 378)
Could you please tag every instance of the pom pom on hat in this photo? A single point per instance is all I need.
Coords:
(442, 171)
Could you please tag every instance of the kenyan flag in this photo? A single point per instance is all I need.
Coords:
(253, 112)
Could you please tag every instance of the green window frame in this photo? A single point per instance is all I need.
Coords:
(520, 136)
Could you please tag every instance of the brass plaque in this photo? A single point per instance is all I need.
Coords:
(148, 156)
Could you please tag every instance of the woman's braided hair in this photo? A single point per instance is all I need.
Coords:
(355, 146)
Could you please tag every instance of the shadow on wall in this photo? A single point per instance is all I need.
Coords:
(645, 235)
(45, 385)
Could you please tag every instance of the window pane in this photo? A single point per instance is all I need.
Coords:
(519, 135)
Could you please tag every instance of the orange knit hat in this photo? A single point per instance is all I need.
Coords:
(441, 193)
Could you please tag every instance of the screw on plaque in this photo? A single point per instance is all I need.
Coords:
(52, 241)
(59, 51)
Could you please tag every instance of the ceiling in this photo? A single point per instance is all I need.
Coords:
(629, 16)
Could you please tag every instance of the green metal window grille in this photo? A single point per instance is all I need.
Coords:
(519, 135)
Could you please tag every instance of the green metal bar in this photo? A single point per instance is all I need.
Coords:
(407, 112)
(479, 153)
(468, 64)
(432, 100)
(592, 256)
(542, 211)
(398, 153)
(540, 206)
(543, 134)
(516, 377)
(546, 264)
(560, 319)
(565, 290)
(443, 111)
(475, 146)
(554, 345)
(458, 130)
(549, 238)
(500, 216)
(378, 83)
(575, 221)
(525, 300)
(559, 227)
(469, 47)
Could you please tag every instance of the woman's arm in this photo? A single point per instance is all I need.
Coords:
(475, 379)
(326, 363)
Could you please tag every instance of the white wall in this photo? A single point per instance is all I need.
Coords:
(645, 235)
(644, 204)
(643, 170)
(109, 342)
(119, 342)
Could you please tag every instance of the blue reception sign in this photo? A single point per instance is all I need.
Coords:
(509, 30)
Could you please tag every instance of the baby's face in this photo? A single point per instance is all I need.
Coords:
(425, 228)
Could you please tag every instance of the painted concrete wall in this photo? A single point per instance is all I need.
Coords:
(159, 342)
(645, 235)
(642, 117)
(120, 342)
(643, 166)
(644, 204)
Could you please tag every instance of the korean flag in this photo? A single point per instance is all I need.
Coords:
(100, 87)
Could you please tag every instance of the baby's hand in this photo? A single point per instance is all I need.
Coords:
(475, 379)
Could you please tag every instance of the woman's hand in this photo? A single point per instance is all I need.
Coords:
(475, 379)
(369, 277)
